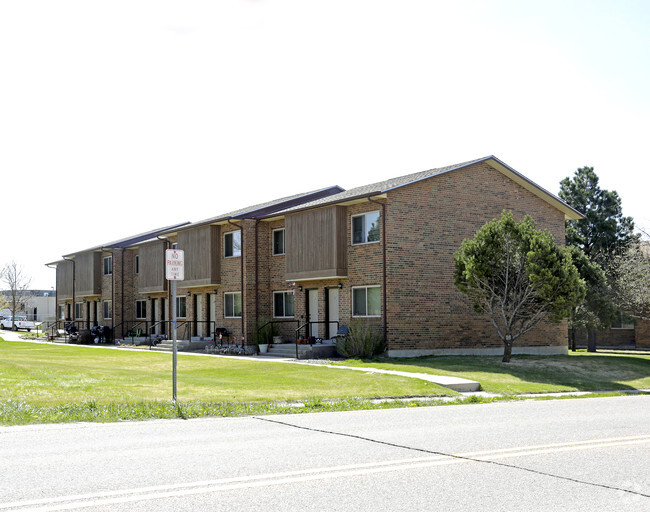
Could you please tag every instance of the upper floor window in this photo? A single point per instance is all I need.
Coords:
(136, 264)
(365, 228)
(232, 305)
(108, 265)
(283, 304)
(278, 242)
(141, 309)
(366, 301)
(232, 244)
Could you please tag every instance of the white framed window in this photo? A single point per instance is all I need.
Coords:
(78, 310)
(365, 228)
(108, 265)
(278, 242)
(283, 304)
(136, 264)
(140, 309)
(181, 307)
(61, 312)
(232, 244)
(108, 309)
(232, 305)
(366, 301)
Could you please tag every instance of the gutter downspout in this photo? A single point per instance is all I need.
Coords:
(56, 300)
(169, 292)
(383, 243)
(74, 278)
(241, 272)
(257, 260)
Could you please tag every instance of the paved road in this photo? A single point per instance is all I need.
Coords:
(577, 455)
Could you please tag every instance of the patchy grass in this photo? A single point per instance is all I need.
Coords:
(579, 371)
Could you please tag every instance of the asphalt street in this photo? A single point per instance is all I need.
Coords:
(580, 454)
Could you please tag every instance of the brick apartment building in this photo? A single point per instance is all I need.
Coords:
(381, 253)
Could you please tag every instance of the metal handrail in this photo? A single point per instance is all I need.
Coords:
(308, 324)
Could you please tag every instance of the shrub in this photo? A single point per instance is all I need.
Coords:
(361, 342)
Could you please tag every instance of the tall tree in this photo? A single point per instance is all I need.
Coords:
(601, 235)
(604, 231)
(598, 310)
(518, 276)
(631, 271)
(16, 281)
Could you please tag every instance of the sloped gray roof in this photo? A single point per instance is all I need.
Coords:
(262, 209)
(380, 187)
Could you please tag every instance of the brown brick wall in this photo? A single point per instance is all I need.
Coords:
(426, 223)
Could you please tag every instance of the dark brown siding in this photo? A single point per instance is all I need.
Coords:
(88, 274)
(64, 277)
(316, 244)
(202, 256)
(152, 268)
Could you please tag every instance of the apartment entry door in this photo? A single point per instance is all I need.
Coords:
(312, 300)
(332, 311)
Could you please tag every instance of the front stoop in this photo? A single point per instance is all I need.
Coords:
(288, 350)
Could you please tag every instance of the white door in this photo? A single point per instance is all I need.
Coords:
(199, 316)
(156, 315)
(213, 311)
(313, 312)
(333, 301)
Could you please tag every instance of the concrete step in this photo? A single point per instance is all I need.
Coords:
(315, 351)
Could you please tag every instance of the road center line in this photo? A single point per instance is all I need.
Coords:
(228, 484)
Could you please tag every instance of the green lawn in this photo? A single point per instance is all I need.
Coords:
(48, 375)
(579, 371)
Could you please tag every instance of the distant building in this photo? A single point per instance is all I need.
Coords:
(38, 306)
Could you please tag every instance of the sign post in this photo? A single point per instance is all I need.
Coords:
(174, 271)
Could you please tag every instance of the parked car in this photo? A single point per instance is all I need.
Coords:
(20, 322)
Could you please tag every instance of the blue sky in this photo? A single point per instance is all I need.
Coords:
(120, 117)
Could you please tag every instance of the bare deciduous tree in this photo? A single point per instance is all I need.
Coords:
(16, 282)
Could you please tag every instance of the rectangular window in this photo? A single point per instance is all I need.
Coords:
(365, 228)
(232, 305)
(137, 264)
(108, 265)
(366, 301)
(232, 244)
(623, 321)
(61, 312)
(181, 310)
(78, 310)
(175, 245)
(283, 304)
(108, 309)
(278, 242)
(141, 309)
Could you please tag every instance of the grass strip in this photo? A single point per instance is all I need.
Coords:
(579, 371)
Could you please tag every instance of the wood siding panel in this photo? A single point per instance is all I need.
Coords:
(64, 280)
(88, 274)
(316, 244)
(151, 278)
(202, 256)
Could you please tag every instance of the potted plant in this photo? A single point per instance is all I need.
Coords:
(264, 334)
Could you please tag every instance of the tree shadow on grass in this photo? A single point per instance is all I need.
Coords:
(537, 374)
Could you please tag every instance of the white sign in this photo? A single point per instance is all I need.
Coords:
(174, 265)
